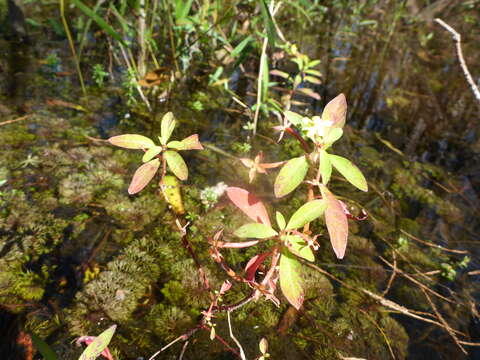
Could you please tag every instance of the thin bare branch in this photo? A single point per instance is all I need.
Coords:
(14, 120)
(457, 38)
(428, 243)
(242, 353)
(444, 322)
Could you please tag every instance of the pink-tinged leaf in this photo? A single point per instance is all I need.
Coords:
(143, 175)
(247, 162)
(192, 143)
(132, 141)
(337, 223)
(291, 279)
(249, 204)
(309, 92)
(227, 285)
(279, 73)
(290, 176)
(176, 164)
(99, 345)
(272, 165)
(253, 265)
(336, 111)
(256, 231)
(189, 143)
(236, 245)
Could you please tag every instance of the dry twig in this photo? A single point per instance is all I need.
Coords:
(444, 322)
(457, 38)
(14, 120)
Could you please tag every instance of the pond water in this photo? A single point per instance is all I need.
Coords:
(77, 254)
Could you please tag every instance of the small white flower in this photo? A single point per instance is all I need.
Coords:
(316, 127)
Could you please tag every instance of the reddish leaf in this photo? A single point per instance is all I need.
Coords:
(249, 204)
(189, 143)
(337, 223)
(253, 265)
(309, 92)
(336, 111)
(143, 175)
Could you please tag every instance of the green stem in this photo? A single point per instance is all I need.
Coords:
(72, 47)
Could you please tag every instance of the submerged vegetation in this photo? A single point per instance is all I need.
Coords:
(174, 265)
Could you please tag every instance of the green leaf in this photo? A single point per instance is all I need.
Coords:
(280, 220)
(98, 344)
(189, 143)
(337, 223)
(256, 231)
(349, 171)
(325, 167)
(291, 279)
(332, 135)
(166, 128)
(182, 9)
(290, 176)
(336, 111)
(294, 118)
(313, 72)
(151, 153)
(176, 164)
(268, 22)
(298, 246)
(306, 213)
(239, 48)
(132, 141)
(143, 176)
(43, 348)
(313, 63)
(313, 80)
(99, 20)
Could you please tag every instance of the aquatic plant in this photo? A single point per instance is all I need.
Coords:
(156, 156)
(292, 241)
(288, 243)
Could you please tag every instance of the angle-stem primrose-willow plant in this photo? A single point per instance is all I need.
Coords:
(155, 155)
(289, 241)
